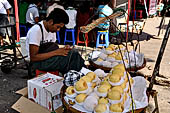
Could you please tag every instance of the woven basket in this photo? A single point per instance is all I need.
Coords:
(108, 69)
(69, 109)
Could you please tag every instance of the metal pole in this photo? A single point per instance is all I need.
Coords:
(17, 20)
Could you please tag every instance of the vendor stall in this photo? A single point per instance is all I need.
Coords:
(108, 89)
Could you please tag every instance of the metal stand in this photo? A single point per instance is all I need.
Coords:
(9, 60)
(8, 64)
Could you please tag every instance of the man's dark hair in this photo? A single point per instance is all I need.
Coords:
(58, 16)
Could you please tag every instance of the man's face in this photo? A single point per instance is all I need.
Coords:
(55, 27)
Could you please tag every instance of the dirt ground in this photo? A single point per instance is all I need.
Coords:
(17, 79)
(151, 49)
(9, 84)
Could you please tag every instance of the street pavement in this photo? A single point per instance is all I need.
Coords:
(151, 49)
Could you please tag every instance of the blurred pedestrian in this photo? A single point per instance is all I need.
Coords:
(72, 13)
(32, 15)
(4, 18)
(23, 7)
(160, 7)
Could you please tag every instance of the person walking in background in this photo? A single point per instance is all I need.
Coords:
(160, 7)
(32, 15)
(4, 18)
(72, 13)
(23, 6)
(55, 4)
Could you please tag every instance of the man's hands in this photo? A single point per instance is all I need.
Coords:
(67, 47)
(35, 56)
(8, 12)
(63, 51)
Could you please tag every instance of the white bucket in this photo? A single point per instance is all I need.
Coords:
(23, 46)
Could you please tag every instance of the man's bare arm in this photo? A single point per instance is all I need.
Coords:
(36, 19)
(8, 12)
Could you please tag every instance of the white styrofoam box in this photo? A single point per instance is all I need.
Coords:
(23, 46)
(45, 90)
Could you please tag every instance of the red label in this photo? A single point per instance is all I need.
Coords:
(49, 104)
(46, 80)
(34, 92)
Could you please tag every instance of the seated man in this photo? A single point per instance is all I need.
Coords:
(43, 33)
(104, 10)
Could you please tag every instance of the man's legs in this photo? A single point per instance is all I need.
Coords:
(73, 61)
(3, 22)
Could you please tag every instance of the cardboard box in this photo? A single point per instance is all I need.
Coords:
(24, 105)
(45, 90)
